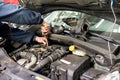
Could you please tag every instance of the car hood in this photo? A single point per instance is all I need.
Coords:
(78, 2)
(99, 8)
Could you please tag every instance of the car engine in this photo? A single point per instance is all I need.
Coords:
(54, 61)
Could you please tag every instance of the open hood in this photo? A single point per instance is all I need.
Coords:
(99, 8)
(78, 2)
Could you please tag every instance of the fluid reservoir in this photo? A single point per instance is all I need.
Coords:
(77, 51)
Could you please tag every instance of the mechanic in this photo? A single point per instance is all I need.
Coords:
(20, 15)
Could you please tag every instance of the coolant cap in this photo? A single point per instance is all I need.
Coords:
(71, 48)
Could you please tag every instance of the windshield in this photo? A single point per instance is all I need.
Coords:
(71, 18)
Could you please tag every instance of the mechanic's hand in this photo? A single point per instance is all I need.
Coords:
(41, 40)
(45, 28)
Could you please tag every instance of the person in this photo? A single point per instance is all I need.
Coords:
(20, 15)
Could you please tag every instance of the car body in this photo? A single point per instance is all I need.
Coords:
(84, 43)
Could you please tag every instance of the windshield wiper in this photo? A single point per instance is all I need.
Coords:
(105, 38)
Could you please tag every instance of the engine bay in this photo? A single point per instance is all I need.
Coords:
(65, 59)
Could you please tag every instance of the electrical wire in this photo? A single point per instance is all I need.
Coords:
(115, 19)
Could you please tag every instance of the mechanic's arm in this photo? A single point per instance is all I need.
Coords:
(17, 14)
(20, 35)
(20, 15)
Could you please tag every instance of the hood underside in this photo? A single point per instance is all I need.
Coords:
(99, 8)
(78, 2)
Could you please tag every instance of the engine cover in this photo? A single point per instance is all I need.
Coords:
(69, 67)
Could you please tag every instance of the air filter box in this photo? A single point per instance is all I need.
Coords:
(69, 67)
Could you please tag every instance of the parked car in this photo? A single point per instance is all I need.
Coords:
(83, 43)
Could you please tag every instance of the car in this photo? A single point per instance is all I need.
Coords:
(84, 43)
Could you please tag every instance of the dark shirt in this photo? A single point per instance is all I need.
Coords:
(20, 15)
